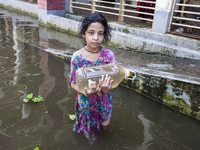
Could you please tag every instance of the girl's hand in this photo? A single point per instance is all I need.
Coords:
(106, 84)
(93, 89)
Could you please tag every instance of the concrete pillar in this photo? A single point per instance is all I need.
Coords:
(67, 5)
(46, 7)
(161, 15)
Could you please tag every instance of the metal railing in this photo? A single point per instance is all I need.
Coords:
(122, 9)
(185, 18)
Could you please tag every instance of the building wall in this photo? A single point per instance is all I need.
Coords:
(51, 4)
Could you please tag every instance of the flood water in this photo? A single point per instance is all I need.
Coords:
(137, 123)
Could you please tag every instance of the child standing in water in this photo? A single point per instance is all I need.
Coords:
(93, 107)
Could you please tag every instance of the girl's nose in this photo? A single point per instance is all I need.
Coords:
(95, 36)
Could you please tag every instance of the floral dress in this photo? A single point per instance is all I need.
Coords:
(91, 111)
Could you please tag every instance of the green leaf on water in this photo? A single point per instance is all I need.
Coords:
(26, 100)
(40, 99)
(30, 96)
(36, 148)
(35, 100)
(71, 116)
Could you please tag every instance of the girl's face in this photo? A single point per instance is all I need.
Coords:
(94, 36)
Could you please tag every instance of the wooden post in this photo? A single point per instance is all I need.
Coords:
(70, 6)
(121, 11)
(93, 3)
(183, 7)
(171, 16)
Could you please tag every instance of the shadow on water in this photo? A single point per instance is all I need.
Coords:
(138, 123)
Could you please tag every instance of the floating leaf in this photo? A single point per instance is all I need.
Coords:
(71, 116)
(35, 100)
(30, 96)
(26, 100)
(40, 99)
(36, 148)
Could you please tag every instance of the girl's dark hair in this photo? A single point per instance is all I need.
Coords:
(95, 17)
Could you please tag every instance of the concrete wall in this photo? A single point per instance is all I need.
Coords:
(180, 95)
(161, 15)
(51, 4)
(21, 6)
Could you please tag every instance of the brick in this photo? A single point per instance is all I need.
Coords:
(40, 1)
(41, 6)
(51, 4)
(61, 3)
(56, 7)
(60, 7)
(44, 2)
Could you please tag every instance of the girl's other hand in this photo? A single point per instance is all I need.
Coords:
(105, 84)
(93, 89)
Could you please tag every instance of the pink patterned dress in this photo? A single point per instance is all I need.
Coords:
(91, 111)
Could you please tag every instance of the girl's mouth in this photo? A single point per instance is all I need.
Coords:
(95, 43)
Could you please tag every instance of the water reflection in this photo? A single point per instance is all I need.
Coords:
(147, 135)
(137, 122)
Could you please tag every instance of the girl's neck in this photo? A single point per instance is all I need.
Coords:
(94, 50)
(89, 56)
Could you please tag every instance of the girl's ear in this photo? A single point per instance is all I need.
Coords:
(83, 35)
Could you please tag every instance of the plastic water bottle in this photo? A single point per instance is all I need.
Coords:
(86, 75)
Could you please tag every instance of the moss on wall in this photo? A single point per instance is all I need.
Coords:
(19, 10)
(65, 58)
(179, 104)
(179, 95)
(54, 26)
(126, 30)
(114, 45)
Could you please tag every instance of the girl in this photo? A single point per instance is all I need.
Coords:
(93, 107)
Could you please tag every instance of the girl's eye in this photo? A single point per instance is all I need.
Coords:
(90, 32)
(101, 34)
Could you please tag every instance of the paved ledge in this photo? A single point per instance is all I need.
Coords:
(144, 40)
(140, 44)
(130, 41)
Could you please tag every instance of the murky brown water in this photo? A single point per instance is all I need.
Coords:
(138, 123)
